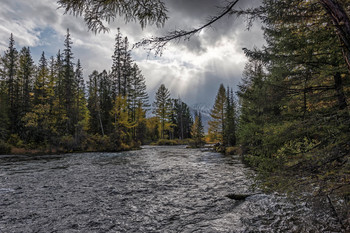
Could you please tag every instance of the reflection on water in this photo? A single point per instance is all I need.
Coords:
(156, 189)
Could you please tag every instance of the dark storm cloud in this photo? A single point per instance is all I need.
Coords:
(187, 15)
(212, 57)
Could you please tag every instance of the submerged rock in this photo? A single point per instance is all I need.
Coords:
(238, 197)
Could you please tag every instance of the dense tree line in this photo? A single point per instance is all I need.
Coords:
(174, 116)
(294, 124)
(48, 106)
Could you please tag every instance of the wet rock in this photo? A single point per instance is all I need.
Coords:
(238, 197)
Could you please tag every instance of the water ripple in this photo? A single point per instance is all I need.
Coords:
(156, 189)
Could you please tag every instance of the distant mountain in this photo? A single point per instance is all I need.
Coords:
(205, 111)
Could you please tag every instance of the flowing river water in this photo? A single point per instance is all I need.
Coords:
(156, 189)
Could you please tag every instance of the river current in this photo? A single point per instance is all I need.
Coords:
(156, 189)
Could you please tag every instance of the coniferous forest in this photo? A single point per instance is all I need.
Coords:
(48, 107)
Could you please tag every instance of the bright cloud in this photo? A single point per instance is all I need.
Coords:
(192, 70)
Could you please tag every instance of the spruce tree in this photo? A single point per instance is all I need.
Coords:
(95, 120)
(217, 122)
(117, 65)
(126, 68)
(182, 119)
(41, 82)
(105, 101)
(4, 120)
(10, 61)
(81, 104)
(229, 134)
(69, 85)
(25, 75)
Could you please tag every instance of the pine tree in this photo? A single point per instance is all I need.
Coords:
(58, 107)
(39, 122)
(217, 123)
(117, 66)
(95, 120)
(182, 119)
(126, 68)
(41, 82)
(25, 75)
(4, 120)
(10, 61)
(229, 133)
(197, 130)
(81, 104)
(69, 85)
(105, 101)
(138, 101)
(163, 109)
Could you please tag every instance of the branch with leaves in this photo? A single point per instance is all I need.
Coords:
(97, 13)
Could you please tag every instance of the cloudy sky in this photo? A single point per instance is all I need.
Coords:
(192, 70)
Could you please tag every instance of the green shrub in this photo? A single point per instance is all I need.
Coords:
(4, 148)
(166, 142)
(15, 140)
(67, 143)
(231, 151)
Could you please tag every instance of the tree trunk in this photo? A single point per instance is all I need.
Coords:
(341, 21)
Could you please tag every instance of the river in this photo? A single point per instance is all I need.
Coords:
(156, 189)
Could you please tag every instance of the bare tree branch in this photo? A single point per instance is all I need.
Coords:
(157, 44)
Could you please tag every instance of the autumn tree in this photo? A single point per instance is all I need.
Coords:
(138, 102)
(217, 122)
(197, 130)
(162, 109)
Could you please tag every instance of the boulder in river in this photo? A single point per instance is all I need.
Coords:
(238, 197)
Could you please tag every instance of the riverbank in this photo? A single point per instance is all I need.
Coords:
(321, 180)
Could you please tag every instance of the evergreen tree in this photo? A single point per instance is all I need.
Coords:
(294, 116)
(106, 102)
(10, 66)
(39, 122)
(217, 123)
(117, 66)
(81, 104)
(25, 75)
(4, 120)
(69, 86)
(197, 130)
(58, 107)
(229, 133)
(122, 123)
(163, 109)
(95, 120)
(126, 68)
(182, 119)
(41, 82)
(138, 99)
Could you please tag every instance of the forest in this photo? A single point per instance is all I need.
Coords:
(48, 107)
